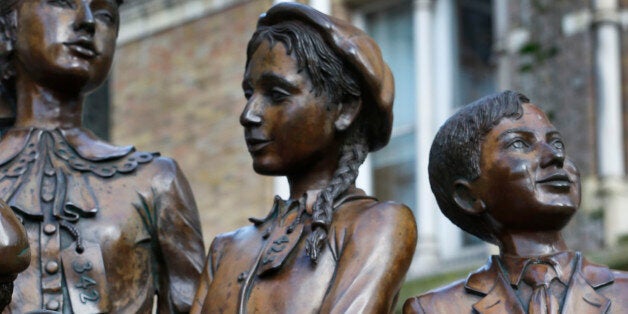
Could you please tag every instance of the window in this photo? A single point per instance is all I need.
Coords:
(394, 166)
(463, 71)
(476, 69)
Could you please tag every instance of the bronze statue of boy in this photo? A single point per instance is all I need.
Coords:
(319, 98)
(108, 227)
(499, 170)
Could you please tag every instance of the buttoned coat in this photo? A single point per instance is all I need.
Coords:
(592, 289)
(108, 227)
(264, 269)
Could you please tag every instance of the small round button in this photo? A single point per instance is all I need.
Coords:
(52, 267)
(52, 305)
(50, 229)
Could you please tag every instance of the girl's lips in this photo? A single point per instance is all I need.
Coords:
(83, 47)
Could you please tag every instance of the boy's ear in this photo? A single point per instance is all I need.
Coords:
(348, 112)
(466, 199)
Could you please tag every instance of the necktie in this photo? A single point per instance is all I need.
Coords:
(539, 277)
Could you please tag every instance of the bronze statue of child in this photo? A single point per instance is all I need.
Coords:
(319, 98)
(108, 227)
(500, 171)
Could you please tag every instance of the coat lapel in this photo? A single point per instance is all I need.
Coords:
(499, 296)
(581, 295)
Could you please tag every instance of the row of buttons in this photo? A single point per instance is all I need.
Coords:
(52, 267)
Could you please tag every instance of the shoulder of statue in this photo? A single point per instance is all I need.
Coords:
(483, 279)
(380, 214)
(596, 275)
(386, 228)
(446, 299)
(84, 151)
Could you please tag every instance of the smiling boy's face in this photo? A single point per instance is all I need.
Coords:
(526, 180)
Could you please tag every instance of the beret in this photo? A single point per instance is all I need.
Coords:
(360, 52)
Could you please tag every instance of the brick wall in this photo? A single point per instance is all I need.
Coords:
(178, 92)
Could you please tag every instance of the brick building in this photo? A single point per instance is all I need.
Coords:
(175, 88)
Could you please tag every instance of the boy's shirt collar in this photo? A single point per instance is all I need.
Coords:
(562, 262)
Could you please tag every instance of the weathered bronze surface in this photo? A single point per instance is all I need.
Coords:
(499, 170)
(319, 98)
(108, 227)
(14, 252)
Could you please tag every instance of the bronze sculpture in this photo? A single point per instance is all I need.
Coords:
(15, 254)
(499, 170)
(319, 98)
(109, 227)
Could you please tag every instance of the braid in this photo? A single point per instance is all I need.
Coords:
(353, 154)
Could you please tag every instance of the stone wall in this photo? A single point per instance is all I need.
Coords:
(178, 92)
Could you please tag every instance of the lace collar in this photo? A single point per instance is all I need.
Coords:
(53, 164)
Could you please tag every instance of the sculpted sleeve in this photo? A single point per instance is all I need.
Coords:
(179, 239)
(14, 252)
(376, 248)
(206, 277)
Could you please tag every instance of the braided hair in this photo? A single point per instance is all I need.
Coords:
(333, 76)
(353, 154)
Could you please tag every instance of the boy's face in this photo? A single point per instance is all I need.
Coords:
(526, 181)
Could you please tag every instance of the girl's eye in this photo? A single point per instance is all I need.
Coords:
(278, 95)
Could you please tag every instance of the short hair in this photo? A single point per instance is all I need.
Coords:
(456, 152)
(328, 72)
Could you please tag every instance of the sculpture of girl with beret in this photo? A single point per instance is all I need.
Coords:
(319, 98)
(108, 227)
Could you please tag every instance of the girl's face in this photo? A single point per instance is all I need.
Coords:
(287, 127)
(66, 43)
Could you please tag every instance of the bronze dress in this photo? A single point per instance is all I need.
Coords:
(108, 227)
(263, 268)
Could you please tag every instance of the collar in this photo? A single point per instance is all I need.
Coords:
(84, 142)
(62, 158)
(282, 207)
(562, 262)
(485, 278)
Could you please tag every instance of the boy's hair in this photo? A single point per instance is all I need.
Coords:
(456, 152)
